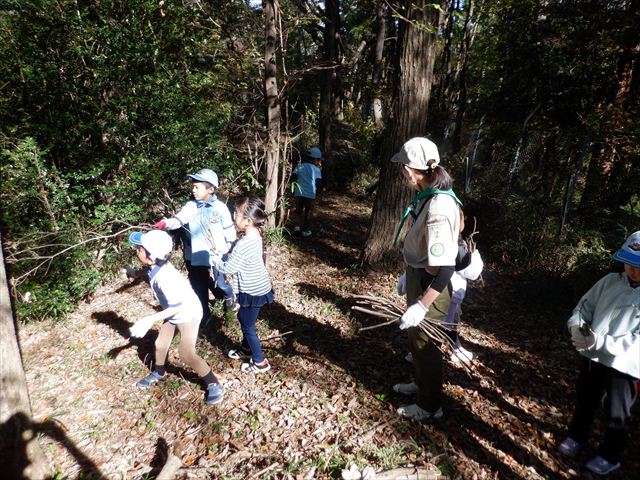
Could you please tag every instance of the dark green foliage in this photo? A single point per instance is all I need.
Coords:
(562, 64)
(105, 105)
(104, 109)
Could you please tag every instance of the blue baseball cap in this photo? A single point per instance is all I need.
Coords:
(205, 175)
(629, 253)
(315, 153)
(157, 242)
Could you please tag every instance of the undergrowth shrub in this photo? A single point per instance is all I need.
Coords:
(524, 233)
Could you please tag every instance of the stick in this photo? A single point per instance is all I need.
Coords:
(273, 337)
(395, 320)
(265, 470)
(374, 313)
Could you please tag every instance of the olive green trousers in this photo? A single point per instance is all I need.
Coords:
(427, 359)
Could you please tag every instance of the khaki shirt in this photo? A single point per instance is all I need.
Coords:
(432, 240)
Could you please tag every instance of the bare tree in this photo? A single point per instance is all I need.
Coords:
(381, 28)
(272, 99)
(413, 77)
(20, 454)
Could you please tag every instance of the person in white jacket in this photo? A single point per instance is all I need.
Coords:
(605, 330)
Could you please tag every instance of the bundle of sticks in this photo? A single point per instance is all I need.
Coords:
(382, 307)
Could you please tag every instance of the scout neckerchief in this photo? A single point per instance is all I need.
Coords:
(417, 199)
(206, 203)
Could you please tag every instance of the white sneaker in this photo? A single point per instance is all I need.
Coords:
(461, 354)
(408, 357)
(406, 388)
(417, 413)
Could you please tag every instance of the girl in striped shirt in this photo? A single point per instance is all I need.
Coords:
(251, 283)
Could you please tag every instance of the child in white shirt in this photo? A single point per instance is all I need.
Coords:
(182, 311)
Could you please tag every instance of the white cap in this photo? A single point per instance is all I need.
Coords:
(157, 242)
(417, 152)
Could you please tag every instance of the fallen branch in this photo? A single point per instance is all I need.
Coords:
(411, 474)
(436, 330)
(46, 259)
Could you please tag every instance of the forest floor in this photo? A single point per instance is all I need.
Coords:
(327, 403)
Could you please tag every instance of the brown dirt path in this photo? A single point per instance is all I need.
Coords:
(327, 402)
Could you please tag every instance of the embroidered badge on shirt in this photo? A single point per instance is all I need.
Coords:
(437, 249)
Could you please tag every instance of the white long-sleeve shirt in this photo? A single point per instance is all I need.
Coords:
(611, 308)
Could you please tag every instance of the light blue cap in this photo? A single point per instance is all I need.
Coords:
(205, 175)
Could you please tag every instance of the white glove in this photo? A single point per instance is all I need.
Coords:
(401, 288)
(141, 327)
(413, 316)
(583, 342)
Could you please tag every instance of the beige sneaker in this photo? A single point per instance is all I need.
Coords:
(406, 388)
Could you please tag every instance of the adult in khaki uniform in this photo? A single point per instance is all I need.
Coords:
(430, 249)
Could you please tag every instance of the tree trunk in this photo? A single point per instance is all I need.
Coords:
(381, 28)
(327, 108)
(413, 77)
(461, 77)
(272, 99)
(20, 454)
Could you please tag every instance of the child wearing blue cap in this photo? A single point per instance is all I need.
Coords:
(605, 330)
(209, 230)
(307, 179)
(182, 310)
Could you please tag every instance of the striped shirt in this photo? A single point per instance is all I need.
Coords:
(246, 267)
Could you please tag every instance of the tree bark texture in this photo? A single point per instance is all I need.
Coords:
(20, 453)
(461, 78)
(272, 99)
(327, 87)
(413, 77)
